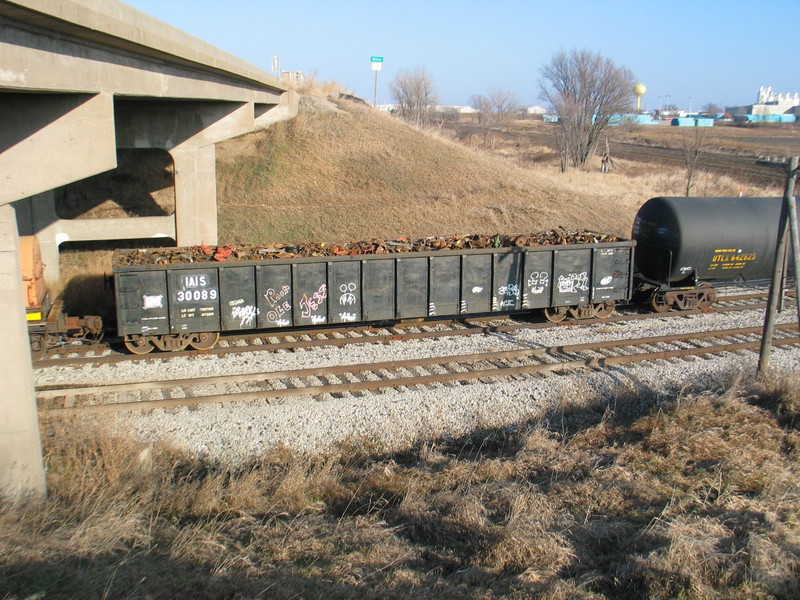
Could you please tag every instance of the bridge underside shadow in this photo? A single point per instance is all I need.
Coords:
(186, 132)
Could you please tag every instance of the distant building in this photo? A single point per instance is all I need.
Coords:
(768, 103)
(536, 110)
(464, 110)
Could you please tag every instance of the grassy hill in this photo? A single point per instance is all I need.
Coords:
(345, 171)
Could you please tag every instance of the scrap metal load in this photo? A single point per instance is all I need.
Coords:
(234, 252)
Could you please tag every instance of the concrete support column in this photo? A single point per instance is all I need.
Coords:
(195, 195)
(21, 464)
(37, 216)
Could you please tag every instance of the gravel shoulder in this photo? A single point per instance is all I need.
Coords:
(395, 419)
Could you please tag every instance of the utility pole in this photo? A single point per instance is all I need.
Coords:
(786, 225)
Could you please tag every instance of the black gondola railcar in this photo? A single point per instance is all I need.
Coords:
(175, 305)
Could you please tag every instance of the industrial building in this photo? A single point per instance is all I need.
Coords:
(769, 104)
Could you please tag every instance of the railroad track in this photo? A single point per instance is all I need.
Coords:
(743, 167)
(314, 338)
(56, 401)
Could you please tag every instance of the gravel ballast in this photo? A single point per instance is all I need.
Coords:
(395, 419)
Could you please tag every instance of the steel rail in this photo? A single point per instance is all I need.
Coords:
(45, 393)
(379, 338)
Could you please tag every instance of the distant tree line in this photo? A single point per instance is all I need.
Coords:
(584, 89)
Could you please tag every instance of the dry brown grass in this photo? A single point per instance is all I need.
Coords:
(626, 497)
(753, 140)
(353, 173)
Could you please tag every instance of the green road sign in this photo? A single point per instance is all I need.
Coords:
(376, 59)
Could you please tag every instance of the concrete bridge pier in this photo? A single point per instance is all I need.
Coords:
(195, 195)
(188, 130)
(37, 216)
(21, 467)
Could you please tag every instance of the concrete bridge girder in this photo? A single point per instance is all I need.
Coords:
(49, 140)
(125, 52)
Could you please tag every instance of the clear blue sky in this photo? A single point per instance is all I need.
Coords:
(684, 52)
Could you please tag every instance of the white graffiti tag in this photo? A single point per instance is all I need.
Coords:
(274, 298)
(538, 282)
(573, 282)
(245, 314)
(512, 289)
(310, 305)
(347, 296)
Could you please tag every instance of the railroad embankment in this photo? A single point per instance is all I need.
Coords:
(344, 171)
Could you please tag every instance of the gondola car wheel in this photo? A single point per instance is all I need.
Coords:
(659, 303)
(205, 341)
(139, 345)
(555, 314)
(604, 310)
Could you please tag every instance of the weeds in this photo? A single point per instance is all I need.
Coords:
(695, 497)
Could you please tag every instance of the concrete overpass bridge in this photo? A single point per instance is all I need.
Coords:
(81, 80)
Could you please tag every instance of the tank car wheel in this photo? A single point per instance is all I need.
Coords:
(659, 303)
(555, 314)
(604, 310)
(707, 295)
(205, 341)
(139, 345)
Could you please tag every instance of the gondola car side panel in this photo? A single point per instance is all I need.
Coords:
(444, 285)
(142, 303)
(506, 293)
(378, 289)
(237, 286)
(610, 274)
(537, 277)
(274, 290)
(344, 299)
(310, 293)
(571, 272)
(194, 300)
(476, 283)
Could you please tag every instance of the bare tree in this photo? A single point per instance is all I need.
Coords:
(494, 110)
(712, 109)
(693, 147)
(415, 94)
(671, 110)
(482, 106)
(503, 104)
(585, 90)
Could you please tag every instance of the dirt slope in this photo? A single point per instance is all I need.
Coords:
(346, 172)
